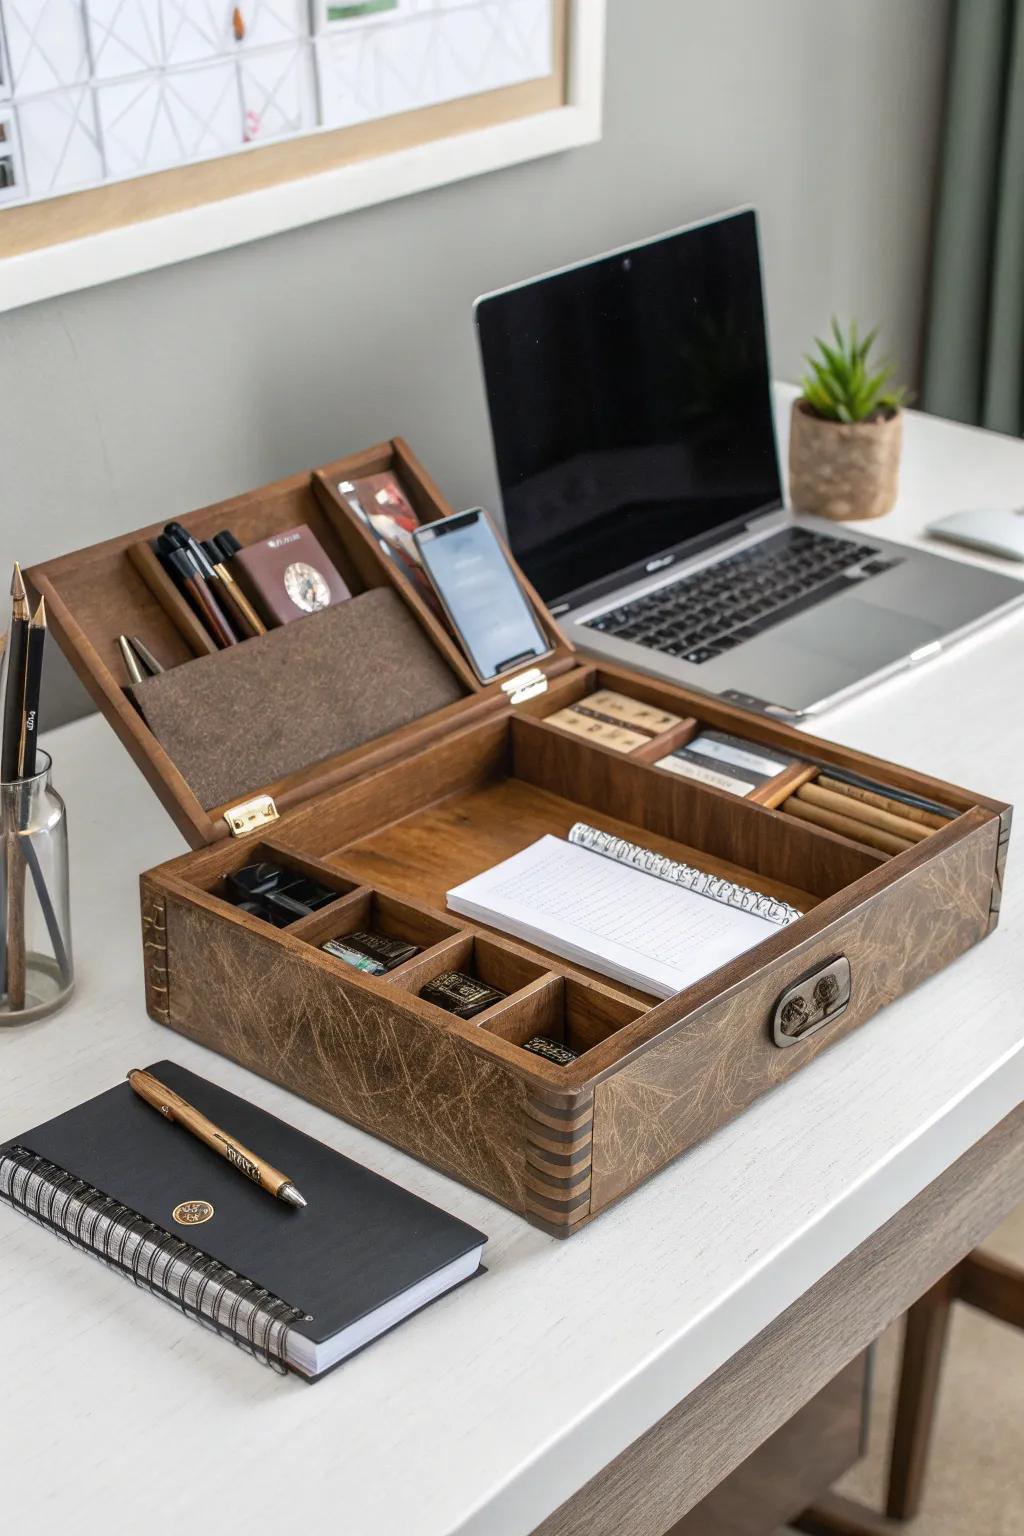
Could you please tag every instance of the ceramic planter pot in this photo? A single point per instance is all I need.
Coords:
(843, 470)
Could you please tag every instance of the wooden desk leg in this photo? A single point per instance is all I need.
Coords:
(991, 1286)
(926, 1327)
(924, 1343)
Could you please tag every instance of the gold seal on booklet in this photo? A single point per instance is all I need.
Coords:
(192, 1213)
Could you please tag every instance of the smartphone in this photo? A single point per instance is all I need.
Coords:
(480, 593)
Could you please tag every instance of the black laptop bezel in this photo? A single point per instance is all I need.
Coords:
(685, 549)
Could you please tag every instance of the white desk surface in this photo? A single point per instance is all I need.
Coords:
(487, 1411)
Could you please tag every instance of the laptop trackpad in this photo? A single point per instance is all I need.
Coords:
(849, 629)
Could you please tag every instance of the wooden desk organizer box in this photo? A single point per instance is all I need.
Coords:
(393, 823)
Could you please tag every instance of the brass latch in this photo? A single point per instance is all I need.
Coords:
(250, 815)
(525, 685)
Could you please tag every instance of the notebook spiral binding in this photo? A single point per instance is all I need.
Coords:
(201, 1287)
(686, 875)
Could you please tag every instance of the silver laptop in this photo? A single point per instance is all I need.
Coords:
(631, 410)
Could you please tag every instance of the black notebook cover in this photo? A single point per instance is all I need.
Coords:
(360, 1242)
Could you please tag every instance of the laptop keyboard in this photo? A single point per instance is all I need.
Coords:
(717, 608)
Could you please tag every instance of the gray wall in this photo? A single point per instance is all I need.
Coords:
(144, 398)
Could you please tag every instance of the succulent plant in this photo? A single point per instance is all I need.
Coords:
(841, 385)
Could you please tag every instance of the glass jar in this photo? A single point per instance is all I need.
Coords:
(36, 968)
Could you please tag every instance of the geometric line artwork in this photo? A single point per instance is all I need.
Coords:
(59, 142)
(93, 91)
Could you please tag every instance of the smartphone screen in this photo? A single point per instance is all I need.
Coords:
(480, 593)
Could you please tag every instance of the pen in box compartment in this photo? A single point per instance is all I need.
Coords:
(873, 793)
(856, 810)
(833, 821)
(191, 568)
(190, 579)
(139, 661)
(219, 549)
(889, 820)
(130, 659)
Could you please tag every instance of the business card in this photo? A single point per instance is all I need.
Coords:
(688, 769)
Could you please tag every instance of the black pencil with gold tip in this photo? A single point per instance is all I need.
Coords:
(33, 683)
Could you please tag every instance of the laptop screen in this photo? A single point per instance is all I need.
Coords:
(630, 404)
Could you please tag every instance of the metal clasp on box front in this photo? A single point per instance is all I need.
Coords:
(812, 1002)
(525, 685)
(258, 812)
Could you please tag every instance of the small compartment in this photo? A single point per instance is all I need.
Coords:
(157, 612)
(868, 813)
(301, 875)
(571, 1013)
(485, 960)
(586, 700)
(364, 909)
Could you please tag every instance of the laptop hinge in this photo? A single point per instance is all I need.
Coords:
(250, 815)
(525, 685)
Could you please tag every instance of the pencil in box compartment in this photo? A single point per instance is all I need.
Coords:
(234, 721)
(881, 818)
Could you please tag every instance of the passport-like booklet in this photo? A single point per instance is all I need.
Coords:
(299, 1289)
(289, 575)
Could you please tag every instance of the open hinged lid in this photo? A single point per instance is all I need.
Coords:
(371, 679)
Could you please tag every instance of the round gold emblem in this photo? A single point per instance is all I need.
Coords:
(192, 1213)
(306, 587)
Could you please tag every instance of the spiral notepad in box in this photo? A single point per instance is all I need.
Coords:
(623, 910)
(300, 1290)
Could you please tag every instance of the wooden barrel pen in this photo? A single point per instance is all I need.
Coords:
(173, 1107)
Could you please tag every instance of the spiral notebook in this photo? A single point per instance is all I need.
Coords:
(621, 909)
(299, 1290)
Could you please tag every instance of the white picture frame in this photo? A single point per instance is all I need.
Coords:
(135, 247)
